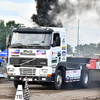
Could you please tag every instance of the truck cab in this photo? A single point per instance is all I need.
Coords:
(35, 53)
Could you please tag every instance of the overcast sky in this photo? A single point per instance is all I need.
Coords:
(18, 10)
(89, 21)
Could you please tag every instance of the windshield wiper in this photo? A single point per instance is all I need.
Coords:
(17, 45)
(36, 45)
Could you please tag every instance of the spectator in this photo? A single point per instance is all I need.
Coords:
(1, 61)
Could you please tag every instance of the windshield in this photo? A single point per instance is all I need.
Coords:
(32, 40)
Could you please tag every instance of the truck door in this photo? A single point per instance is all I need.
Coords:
(56, 50)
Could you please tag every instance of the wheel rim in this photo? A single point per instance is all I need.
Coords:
(85, 77)
(59, 80)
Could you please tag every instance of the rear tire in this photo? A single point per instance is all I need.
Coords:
(16, 83)
(58, 80)
(84, 80)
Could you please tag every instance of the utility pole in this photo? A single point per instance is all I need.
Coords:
(78, 39)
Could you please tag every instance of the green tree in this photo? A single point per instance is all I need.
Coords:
(3, 34)
(5, 30)
(98, 48)
(92, 48)
(2, 24)
(69, 49)
(87, 49)
(12, 24)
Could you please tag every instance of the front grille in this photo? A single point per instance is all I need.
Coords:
(27, 71)
(28, 61)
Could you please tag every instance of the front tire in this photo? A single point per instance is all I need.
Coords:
(16, 83)
(58, 80)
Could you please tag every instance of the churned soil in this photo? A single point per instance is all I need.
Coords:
(38, 92)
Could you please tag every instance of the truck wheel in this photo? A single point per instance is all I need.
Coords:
(58, 80)
(16, 83)
(84, 80)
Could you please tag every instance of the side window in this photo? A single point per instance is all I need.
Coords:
(55, 39)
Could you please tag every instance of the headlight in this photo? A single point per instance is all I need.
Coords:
(10, 69)
(44, 70)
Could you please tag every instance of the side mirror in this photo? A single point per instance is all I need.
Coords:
(57, 41)
(59, 54)
(8, 40)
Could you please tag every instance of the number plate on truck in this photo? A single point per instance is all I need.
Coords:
(28, 79)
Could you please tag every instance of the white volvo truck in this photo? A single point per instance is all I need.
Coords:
(39, 55)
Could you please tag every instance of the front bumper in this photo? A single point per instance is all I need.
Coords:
(31, 78)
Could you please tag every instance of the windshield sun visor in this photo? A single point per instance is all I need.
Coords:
(32, 30)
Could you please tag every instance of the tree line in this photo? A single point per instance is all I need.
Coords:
(92, 48)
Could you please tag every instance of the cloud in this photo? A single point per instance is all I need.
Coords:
(6, 13)
(18, 1)
(20, 12)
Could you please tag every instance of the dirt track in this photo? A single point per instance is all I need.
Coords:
(37, 92)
